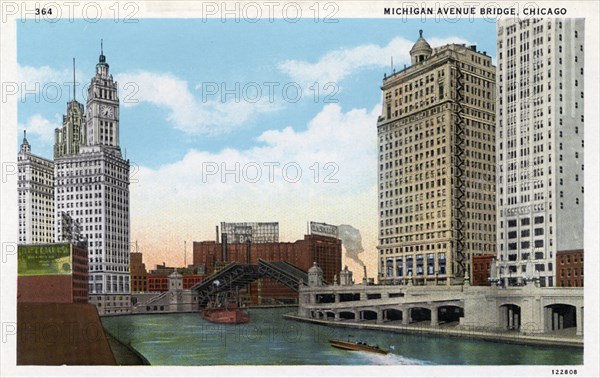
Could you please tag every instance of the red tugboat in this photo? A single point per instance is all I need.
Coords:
(224, 309)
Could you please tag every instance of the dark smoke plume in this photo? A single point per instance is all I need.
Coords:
(352, 241)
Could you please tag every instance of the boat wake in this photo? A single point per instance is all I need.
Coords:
(390, 359)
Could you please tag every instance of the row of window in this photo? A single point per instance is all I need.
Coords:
(414, 265)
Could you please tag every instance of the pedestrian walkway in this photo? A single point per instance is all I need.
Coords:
(565, 337)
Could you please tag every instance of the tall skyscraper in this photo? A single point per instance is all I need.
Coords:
(540, 144)
(437, 205)
(92, 187)
(36, 196)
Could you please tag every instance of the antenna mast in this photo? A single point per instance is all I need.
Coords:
(73, 79)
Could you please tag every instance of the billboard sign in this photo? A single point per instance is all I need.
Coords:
(323, 229)
(44, 260)
(242, 233)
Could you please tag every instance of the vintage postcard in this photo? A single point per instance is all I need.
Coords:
(285, 188)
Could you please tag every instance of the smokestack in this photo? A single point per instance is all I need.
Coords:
(217, 235)
(223, 247)
(248, 251)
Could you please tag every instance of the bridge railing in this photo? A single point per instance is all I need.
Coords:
(210, 279)
(284, 273)
(154, 299)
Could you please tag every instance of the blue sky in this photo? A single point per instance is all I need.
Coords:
(215, 52)
(170, 133)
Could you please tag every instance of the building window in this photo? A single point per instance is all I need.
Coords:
(389, 267)
(399, 270)
(409, 265)
(441, 263)
(419, 265)
(430, 263)
(539, 267)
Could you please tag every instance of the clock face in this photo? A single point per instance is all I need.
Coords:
(107, 111)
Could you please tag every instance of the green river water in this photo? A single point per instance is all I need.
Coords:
(269, 339)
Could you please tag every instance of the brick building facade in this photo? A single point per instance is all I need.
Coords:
(160, 282)
(569, 266)
(480, 265)
(138, 272)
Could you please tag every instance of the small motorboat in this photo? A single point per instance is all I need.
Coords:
(357, 346)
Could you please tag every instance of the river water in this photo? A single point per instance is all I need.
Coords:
(187, 340)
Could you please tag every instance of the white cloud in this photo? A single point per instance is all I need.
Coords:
(43, 74)
(336, 65)
(42, 128)
(188, 112)
(54, 85)
(175, 202)
(346, 140)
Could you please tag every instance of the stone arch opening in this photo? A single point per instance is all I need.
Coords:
(391, 314)
(368, 315)
(347, 315)
(420, 314)
(450, 313)
(560, 316)
(510, 316)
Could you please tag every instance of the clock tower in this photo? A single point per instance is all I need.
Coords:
(103, 108)
(92, 187)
